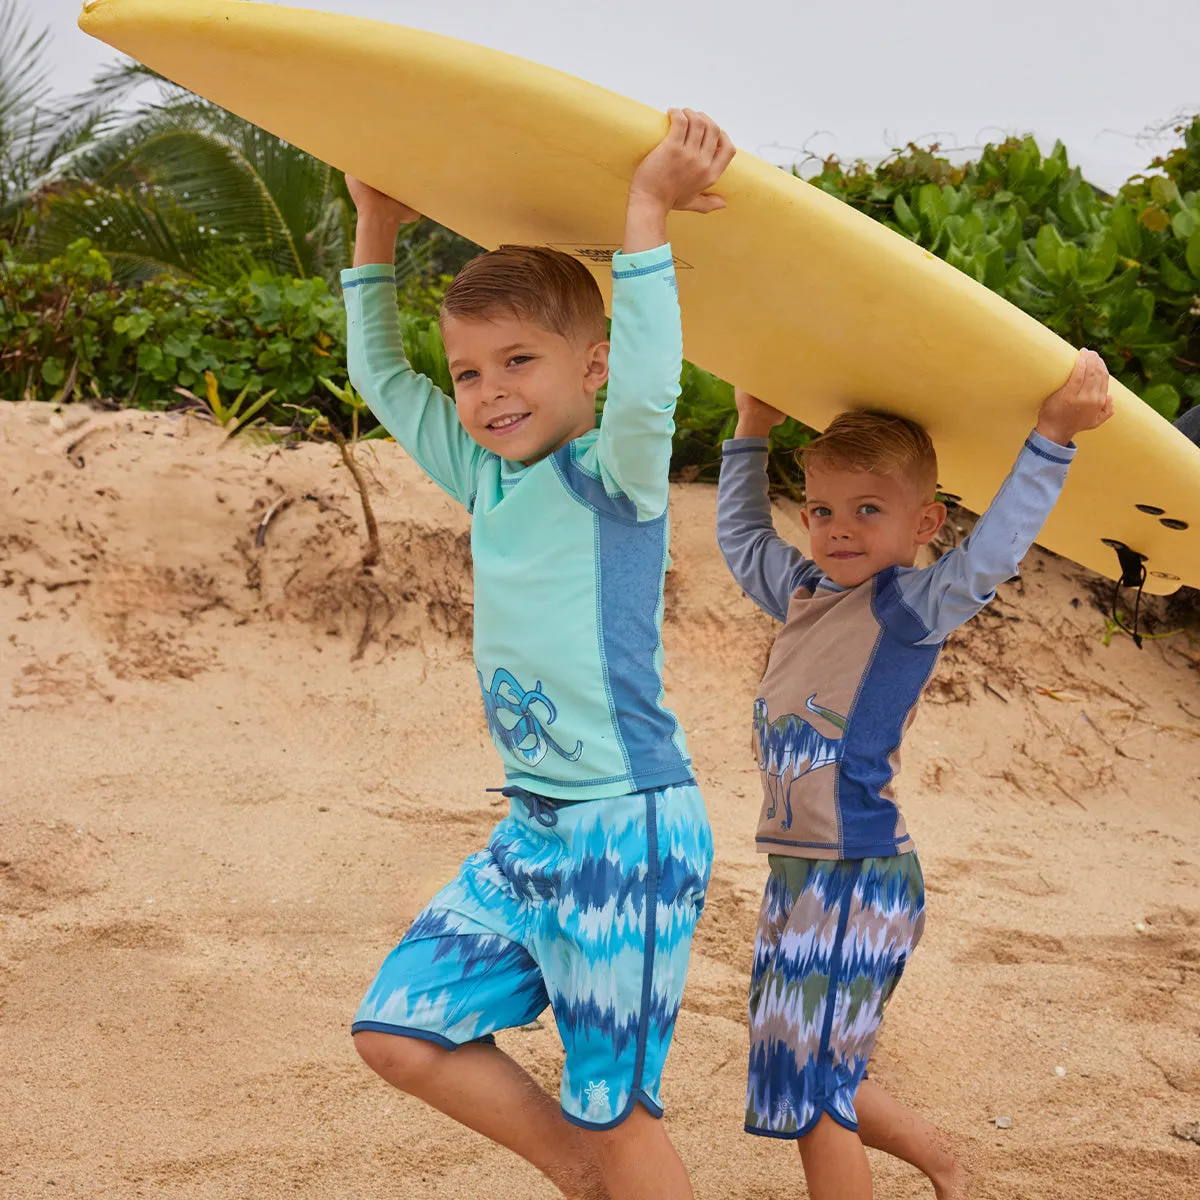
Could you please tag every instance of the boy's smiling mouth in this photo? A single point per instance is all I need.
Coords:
(507, 423)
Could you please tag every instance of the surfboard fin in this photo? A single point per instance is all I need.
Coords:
(1133, 575)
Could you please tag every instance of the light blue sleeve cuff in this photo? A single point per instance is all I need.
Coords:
(1043, 447)
(370, 273)
(643, 262)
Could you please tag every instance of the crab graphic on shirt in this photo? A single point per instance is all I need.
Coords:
(517, 718)
(789, 748)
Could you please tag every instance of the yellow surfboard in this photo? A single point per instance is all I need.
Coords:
(788, 292)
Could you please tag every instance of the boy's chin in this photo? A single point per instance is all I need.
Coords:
(526, 448)
(848, 573)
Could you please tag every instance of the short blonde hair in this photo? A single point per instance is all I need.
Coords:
(881, 443)
(547, 287)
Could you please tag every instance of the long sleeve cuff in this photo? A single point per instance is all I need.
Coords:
(745, 445)
(353, 277)
(1043, 447)
(642, 262)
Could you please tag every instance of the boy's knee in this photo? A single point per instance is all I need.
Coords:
(403, 1061)
(633, 1135)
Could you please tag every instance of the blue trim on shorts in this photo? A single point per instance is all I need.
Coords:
(636, 1094)
(422, 1035)
(796, 1134)
(638, 1097)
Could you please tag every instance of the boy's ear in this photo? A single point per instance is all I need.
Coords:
(932, 519)
(804, 520)
(595, 373)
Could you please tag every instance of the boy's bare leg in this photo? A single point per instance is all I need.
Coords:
(835, 1163)
(479, 1086)
(885, 1124)
(638, 1161)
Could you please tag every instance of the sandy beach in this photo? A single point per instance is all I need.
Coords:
(233, 773)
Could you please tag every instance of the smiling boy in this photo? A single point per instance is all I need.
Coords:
(844, 903)
(586, 896)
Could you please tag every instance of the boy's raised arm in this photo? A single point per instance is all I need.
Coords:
(936, 601)
(418, 414)
(634, 447)
(767, 568)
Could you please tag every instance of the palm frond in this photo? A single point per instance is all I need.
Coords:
(24, 68)
(141, 233)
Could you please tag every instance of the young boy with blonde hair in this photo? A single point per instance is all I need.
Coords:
(586, 896)
(844, 904)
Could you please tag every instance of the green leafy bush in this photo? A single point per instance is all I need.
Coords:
(1119, 274)
(67, 331)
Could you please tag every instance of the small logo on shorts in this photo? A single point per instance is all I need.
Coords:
(597, 1094)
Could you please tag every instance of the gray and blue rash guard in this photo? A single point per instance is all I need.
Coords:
(569, 553)
(849, 666)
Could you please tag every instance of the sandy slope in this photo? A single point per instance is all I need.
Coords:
(215, 819)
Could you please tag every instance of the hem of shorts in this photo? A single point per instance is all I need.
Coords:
(638, 1097)
(424, 1035)
(849, 854)
(603, 789)
(795, 1134)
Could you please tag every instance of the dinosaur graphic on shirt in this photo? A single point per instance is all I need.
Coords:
(790, 747)
(526, 736)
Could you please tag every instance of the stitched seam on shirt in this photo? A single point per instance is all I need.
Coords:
(744, 450)
(604, 674)
(862, 681)
(1062, 462)
(570, 783)
(578, 463)
(352, 283)
(635, 271)
(900, 600)
(661, 614)
(591, 507)
(807, 845)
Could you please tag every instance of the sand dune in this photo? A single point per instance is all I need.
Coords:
(233, 773)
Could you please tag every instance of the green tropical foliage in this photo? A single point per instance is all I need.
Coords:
(1119, 274)
(146, 249)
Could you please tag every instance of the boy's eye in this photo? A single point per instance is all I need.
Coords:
(466, 376)
(518, 359)
(868, 509)
(820, 510)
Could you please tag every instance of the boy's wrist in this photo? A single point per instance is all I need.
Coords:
(645, 222)
(1055, 433)
(375, 239)
(749, 427)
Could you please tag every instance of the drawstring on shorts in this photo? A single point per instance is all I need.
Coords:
(541, 809)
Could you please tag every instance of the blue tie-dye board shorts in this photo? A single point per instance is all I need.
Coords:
(833, 939)
(555, 912)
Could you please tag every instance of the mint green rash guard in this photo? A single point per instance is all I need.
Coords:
(569, 553)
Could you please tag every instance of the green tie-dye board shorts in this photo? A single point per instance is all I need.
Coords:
(833, 939)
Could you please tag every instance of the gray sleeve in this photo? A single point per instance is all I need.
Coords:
(767, 568)
(925, 606)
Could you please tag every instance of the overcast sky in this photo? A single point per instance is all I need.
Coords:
(852, 77)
